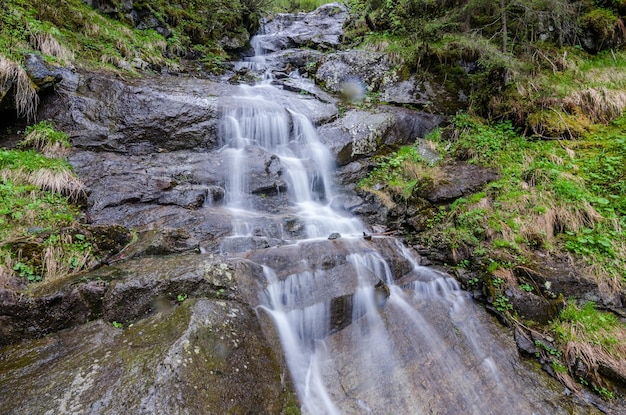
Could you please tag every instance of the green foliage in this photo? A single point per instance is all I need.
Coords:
(526, 287)
(604, 393)
(600, 22)
(297, 5)
(502, 303)
(36, 219)
(181, 297)
(117, 325)
(77, 33)
(597, 326)
(46, 132)
(403, 171)
(29, 161)
(26, 271)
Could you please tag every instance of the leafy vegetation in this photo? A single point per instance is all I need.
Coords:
(39, 233)
(591, 339)
(563, 198)
(298, 5)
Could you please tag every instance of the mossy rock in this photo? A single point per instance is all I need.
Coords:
(558, 124)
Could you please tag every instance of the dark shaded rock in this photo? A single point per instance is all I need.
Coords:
(43, 75)
(179, 178)
(109, 239)
(103, 113)
(161, 241)
(559, 276)
(459, 180)
(534, 307)
(25, 318)
(525, 343)
(123, 292)
(334, 235)
(190, 197)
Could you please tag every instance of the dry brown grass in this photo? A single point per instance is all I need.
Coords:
(63, 182)
(6, 272)
(39, 141)
(58, 261)
(48, 45)
(13, 76)
(601, 105)
(124, 49)
(593, 354)
(58, 181)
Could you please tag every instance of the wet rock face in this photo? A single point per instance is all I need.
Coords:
(108, 114)
(321, 29)
(205, 356)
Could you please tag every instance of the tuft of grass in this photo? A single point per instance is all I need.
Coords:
(401, 173)
(38, 221)
(44, 138)
(14, 77)
(591, 339)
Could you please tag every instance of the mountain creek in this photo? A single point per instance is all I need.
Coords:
(260, 279)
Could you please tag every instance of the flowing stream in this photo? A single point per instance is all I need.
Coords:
(363, 327)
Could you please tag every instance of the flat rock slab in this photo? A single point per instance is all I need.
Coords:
(202, 357)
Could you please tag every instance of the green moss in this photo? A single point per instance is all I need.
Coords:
(552, 123)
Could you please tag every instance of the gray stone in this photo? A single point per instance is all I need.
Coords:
(321, 29)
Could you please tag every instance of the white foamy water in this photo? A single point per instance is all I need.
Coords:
(355, 341)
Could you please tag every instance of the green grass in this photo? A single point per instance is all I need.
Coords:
(39, 234)
(556, 197)
(297, 5)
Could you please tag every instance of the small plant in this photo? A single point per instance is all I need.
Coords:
(117, 325)
(549, 349)
(497, 281)
(26, 271)
(181, 297)
(604, 393)
(219, 293)
(464, 263)
(502, 304)
(526, 287)
(473, 282)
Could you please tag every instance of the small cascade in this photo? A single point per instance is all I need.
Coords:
(364, 328)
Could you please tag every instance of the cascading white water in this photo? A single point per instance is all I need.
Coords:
(366, 349)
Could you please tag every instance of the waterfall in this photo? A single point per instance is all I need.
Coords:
(360, 334)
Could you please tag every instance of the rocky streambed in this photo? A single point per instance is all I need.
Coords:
(175, 322)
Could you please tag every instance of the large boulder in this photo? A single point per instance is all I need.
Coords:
(456, 180)
(380, 73)
(361, 133)
(123, 292)
(205, 356)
